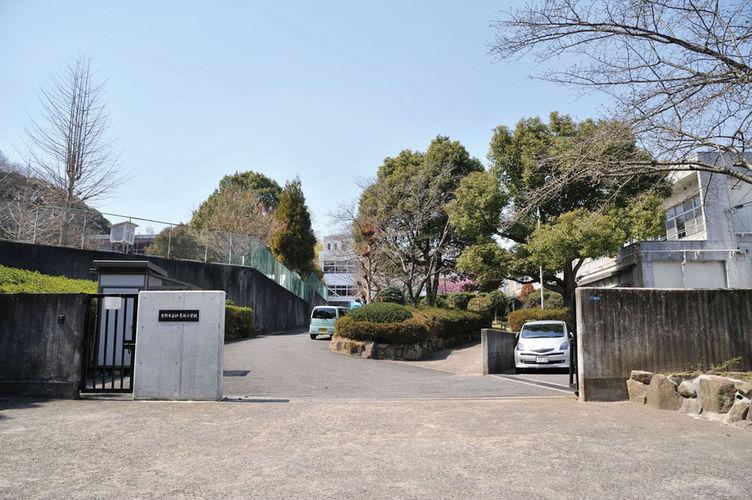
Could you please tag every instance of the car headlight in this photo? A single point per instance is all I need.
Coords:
(564, 346)
(520, 347)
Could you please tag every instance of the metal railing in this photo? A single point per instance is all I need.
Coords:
(88, 229)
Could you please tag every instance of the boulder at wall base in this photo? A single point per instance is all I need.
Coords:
(691, 406)
(687, 389)
(744, 387)
(739, 410)
(717, 393)
(641, 376)
(662, 394)
(637, 391)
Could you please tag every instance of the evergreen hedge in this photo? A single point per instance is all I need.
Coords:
(14, 280)
(381, 312)
(238, 322)
(517, 318)
(451, 326)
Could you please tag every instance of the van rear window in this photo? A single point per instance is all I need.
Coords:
(324, 313)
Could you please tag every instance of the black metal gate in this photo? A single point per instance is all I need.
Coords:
(574, 368)
(109, 343)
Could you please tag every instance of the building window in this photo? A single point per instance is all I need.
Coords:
(339, 267)
(342, 290)
(684, 219)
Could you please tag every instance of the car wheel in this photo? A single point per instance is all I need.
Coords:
(313, 336)
(519, 370)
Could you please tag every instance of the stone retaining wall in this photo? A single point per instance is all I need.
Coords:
(720, 398)
(406, 352)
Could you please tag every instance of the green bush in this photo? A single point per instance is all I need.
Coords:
(459, 300)
(481, 304)
(21, 281)
(381, 312)
(391, 293)
(238, 322)
(453, 323)
(440, 301)
(409, 331)
(551, 300)
(518, 318)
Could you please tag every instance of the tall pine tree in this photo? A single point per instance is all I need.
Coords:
(294, 244)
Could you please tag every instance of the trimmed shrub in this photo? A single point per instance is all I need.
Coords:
(391, 293)
(459, 300)
(440, 301)
(381, 312)
(551, 300)
(481, 304)
(14, 280)
(238, 322)
(452, 323)
(518, 318)
(409, 331)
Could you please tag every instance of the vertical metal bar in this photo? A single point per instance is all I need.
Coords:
(104, 348)
(36, 224)
(133, 339)
(97, 330)
(86, 346)
(83, 233)
(169, 243)
(122, 344)
(114, 347)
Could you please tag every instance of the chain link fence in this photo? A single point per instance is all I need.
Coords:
(87, 229)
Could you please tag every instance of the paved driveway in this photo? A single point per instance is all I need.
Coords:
(296, 367)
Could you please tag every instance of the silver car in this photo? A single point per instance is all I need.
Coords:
(542, 344)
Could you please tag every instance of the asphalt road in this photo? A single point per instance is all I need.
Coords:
(489, 448)
(296, 367)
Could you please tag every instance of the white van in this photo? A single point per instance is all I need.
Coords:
(323, 319)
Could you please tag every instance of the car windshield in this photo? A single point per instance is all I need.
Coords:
(324, 313)
(545, 331)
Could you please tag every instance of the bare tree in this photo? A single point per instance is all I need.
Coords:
(680, 72)
(69, 143)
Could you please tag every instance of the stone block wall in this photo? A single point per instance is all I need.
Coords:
(724, 399)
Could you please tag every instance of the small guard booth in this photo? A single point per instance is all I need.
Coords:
(110, 336)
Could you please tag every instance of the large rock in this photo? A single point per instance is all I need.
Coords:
(662, 394)
(637, 391)
(641, 376)
(717, 393)
(739, 410)
(687, 389)
(744, 387)
(691, 406)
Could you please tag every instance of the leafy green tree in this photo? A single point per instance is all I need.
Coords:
(406, 207)
(542, 223)
(180, 242)
(294, 244)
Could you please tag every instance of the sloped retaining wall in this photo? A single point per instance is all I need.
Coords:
(275, 308)
(719, 398)
(406, 352)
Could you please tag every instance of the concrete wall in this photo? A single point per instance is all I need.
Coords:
(39, 356)
(179, 359)
(658, 330)
(275, 308)
(497, 348)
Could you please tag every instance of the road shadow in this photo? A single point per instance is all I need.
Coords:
(18, 404)
(445, 353)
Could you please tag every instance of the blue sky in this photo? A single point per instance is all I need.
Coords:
(323, 90)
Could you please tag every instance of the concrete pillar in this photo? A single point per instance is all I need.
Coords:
(179, 345)
(498, 350)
